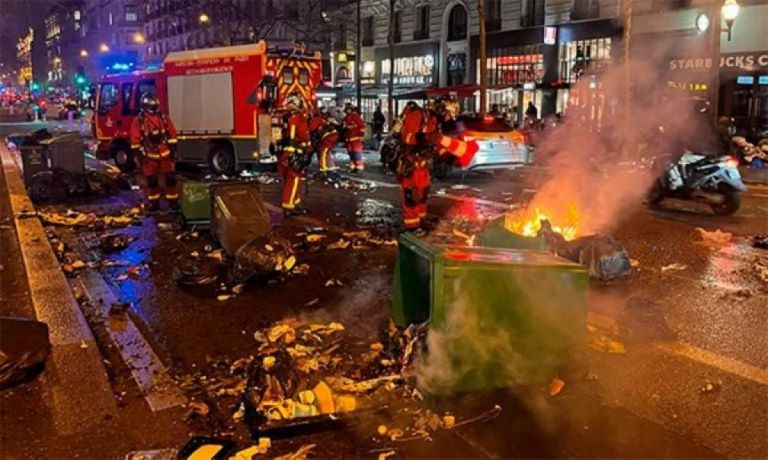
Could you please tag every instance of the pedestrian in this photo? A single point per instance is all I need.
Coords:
(295, 156)
(153, 140)
(323, 129)
(532, 113)
(378, 123)
(354, 127)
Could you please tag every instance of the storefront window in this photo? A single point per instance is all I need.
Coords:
(515, 66)
(583, 57)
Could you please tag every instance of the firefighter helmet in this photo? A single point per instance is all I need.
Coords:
(149, 103)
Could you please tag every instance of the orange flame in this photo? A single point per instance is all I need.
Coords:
(528, 223)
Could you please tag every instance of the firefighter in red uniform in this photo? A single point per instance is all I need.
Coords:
(324, 134)
(153, 139)
(420, 140)
(354, 129)
(296, 155)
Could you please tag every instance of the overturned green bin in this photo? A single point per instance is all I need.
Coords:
(497, 317)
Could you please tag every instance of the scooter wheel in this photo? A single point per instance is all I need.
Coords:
(731, 203)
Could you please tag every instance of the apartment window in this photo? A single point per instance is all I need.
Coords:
(421, 31)
(76, 15)
(533, 13)
(585, 9)
(368, 31)
(457, 23)
(397, 31)
(131, 13)
(111, 19)
(493, 15)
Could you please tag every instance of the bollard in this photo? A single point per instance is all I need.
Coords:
(70, 121)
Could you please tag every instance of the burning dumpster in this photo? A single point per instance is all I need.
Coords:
(498, 317)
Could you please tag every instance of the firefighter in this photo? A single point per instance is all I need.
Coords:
(420, 140)
(153, 140)
(354, 129)
(323, 130)
(296, 155)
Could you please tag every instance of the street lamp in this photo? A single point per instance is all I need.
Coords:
(83, 53)
(203, 18)
(729, 10)
(138, 38)
(103, 48)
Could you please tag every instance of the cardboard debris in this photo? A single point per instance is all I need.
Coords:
(556, 386)
(301, 454)
(716, 238)
(675, 266)
(606, 344)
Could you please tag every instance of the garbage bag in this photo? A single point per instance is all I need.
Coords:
(605, 257)
(24, 347)
(196, 271)
(261, 256)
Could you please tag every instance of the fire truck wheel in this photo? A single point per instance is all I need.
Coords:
(221, 159)
(123, 156)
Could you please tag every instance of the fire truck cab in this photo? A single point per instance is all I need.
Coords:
(224, 102)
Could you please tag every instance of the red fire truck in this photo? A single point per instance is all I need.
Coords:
(224, 102)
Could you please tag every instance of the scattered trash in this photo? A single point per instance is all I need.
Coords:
(83, 344)
(262, 256)
(117, 309)
(556, 386)
(197, 408)
(260, 449)
(760, 241)
(223, 297)
(606, 344)
(716, 238)
(710, 387)
(333, 282)
(301, 454)
(634, 263)
(340, 244)
(24, 348)
(113, 243)
(675, 266)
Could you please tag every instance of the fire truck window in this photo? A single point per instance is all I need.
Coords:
(287, 75)
(107, 97)
(145, 86)
(303, 77)
(126, 98)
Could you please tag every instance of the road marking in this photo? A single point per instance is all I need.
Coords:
(694, 353)
(159, 389)
(482, 201)
(730, 365)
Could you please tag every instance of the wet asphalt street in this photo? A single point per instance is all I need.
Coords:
(692, 383)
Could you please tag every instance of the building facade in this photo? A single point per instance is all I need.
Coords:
(112, 39)
(173, 25)
(537, 51)
(24, 58)
(63, 28)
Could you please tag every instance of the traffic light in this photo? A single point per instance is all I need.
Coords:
(80, 79)
(34, 86)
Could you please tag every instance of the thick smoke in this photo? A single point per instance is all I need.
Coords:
(598, 163)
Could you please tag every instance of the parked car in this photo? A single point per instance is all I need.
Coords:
(501, 146)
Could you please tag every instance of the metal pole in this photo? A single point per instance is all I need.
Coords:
(483, 59)
(626, 17)
(391, 82)
(714, 89)
(358, 61)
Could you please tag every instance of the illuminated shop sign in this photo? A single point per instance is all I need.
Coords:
(412, 70)
(746, 61)
(745, 80)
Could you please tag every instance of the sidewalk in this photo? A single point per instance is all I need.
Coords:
(70, 409)
(754, 176)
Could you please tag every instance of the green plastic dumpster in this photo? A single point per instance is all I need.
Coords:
(196, 202)
(496, 235)
(498, 317)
